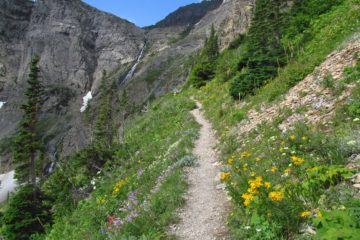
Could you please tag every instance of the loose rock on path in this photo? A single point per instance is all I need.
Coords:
(204, 216)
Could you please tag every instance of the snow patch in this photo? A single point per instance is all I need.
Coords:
(8, 185)
(86, 101)
(2, 104)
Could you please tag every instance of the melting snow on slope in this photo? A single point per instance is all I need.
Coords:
(8, 185)
(2, 104)
(86, 101)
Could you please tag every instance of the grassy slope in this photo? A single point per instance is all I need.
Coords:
(330, 31)
(148, 140)
(155, 141)
(315, 187)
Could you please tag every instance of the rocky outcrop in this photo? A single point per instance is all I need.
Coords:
(75, 43)
(230, 19)
(309, 101)
(166, 64)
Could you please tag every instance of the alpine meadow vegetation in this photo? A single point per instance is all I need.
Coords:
(286, 177)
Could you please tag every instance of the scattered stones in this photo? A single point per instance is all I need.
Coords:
(319, 103)
(204, 216)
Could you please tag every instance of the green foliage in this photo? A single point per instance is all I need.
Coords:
(338, 224)
(204, 68)
(159, 140)
(306, 33)
(327, 32)
(27, 142)
(237, 41)
(28, 213)
(201, 73)
(328, 82)
(227, 64)
(239, 115)
(104, 127)
(264, 54)
(299, 19)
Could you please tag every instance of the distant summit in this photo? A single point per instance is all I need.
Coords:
(190, 14)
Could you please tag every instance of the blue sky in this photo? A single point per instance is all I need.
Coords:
(141, 12)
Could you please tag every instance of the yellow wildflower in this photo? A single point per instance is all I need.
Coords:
(274, 169)
(256, 183)
(303, 138)
(313, 169)
(247, 198)
(287, 171)
(276, 196)
(305, 214)
(119, 185)
(245, 154)
(230, 161)
(253, 191)
(267, 184)
(258, 159)
(292, 137)
(253, 174)
(318, 213)
(224, 176)
(101, 200)
(297, 160)
(245, 167)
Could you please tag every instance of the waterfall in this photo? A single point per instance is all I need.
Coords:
(130, 74)
(86, 100)
(51, 167)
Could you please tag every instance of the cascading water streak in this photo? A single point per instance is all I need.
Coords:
(130, 74)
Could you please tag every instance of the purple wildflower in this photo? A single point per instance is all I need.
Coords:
(118, 222)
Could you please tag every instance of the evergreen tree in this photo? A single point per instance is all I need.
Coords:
(104, 128)
(205, 66)
(27, 143)
(265, 53)
(27, 213)
(211, 47)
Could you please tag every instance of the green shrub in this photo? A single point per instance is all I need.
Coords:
(328, 81)
(201, 74)
(237, 41)
(239, 115)
(241, 86)
(227, 64)
(28, 213)
(338, 224)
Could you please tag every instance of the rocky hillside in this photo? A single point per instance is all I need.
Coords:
(283, 100)
(77, 42)
(189, 15)
(166, 63)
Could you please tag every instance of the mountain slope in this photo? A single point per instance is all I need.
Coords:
(189, 15)
(75, 43)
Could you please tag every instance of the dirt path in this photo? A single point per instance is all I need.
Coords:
(204, 216)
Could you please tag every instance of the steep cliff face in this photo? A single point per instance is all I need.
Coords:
(75, 42)
(166, 63)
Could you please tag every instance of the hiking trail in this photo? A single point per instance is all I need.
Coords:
(205, 212)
